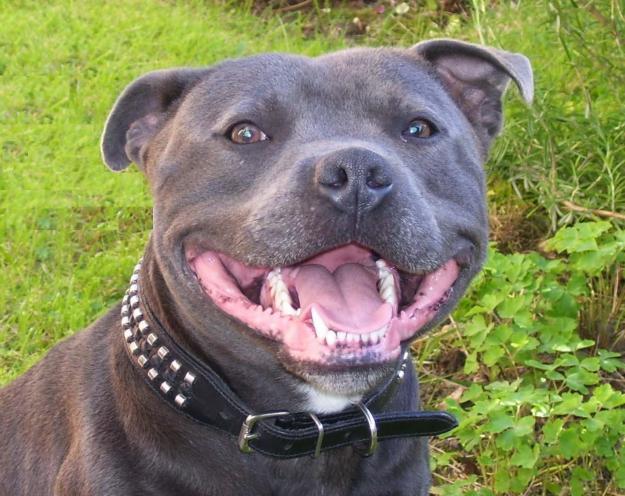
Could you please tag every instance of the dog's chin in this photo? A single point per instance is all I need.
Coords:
(353, 381)
(338, 318)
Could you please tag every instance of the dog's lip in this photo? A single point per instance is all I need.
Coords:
(298, 337)
(464, 255)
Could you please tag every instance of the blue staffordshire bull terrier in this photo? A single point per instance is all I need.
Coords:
(312, 217)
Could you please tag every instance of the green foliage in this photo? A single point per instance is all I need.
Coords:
(542, 409)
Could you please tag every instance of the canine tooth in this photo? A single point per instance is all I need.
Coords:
(380, 263)
(364, 338)
(386, 289)
(331, 337)
(384, 271)
(388, 295)
(287, 309)
(275, 273)
(321, 329)
(281, 296)
(385, 275)
(341, 337)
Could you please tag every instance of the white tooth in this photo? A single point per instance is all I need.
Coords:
(351, 337)
(281, 296)
(388, 294)
(321, 329)
(282, 299)
(287, 309)
(364, 338)
(387, 279)
(384, 272)
(380, 263)
(331, 338)
(374, 338)
(341, 337)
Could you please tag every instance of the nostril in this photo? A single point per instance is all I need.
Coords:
(377, 180)
(337, 180)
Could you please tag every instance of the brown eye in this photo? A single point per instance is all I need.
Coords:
(246, 133)
(419, 128)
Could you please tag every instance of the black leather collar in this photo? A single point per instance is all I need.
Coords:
(193, 389)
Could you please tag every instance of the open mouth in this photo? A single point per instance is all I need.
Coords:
(346, 306)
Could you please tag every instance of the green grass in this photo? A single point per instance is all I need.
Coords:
(71, 231)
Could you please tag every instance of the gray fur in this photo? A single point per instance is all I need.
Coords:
(82, 421)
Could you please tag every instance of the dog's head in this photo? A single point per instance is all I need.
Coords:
(328, 209)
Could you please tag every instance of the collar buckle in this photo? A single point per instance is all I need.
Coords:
(246, 434)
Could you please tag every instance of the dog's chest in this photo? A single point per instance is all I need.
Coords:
(332, 474)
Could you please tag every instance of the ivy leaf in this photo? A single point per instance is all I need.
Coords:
(499, 422)
(592, 364)
(578, 238)
(570, 445)
(570, 402)
(525, 456)
(551, 430)
(524, 426)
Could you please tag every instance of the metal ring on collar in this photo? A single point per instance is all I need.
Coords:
(319, 425)
(373, 428)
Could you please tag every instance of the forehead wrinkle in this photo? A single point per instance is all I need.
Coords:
(389, 82)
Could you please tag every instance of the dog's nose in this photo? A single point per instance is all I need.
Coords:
(353, 179)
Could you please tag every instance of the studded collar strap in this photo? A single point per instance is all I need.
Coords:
(196, 391)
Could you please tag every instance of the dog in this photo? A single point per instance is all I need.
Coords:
(312, 217)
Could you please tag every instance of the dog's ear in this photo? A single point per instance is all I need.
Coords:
(476, 78)
(140, 112)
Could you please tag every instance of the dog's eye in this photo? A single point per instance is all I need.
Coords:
(245, 133)
(419, 128)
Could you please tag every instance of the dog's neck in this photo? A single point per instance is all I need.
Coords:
(266, 392)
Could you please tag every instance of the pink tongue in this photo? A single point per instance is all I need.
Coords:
(347, 299)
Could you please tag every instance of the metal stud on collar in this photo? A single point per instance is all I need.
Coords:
(162, 352)
(152, 373)
(137, 333)
(401, 373)
(189, 378)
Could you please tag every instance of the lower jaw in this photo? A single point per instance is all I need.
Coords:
(300, 343)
